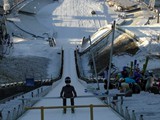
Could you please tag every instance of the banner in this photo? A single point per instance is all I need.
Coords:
(29, 81)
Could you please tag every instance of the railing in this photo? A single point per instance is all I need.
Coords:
(91, 106)
(124, 112)
(16, 106)
(10, 98)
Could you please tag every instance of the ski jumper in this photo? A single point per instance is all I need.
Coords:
(68, 91)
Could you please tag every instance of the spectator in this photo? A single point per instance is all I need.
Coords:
(125, 72)
(150, 81)
(137, 75)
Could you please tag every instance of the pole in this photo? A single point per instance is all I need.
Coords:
(91, 112)
(111, 53)
(94, 65)
(42, 113)
(158, 16)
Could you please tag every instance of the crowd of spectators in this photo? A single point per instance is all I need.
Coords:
(134, 81)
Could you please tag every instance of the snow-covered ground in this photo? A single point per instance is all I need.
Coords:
(71, 20)
(80, 113)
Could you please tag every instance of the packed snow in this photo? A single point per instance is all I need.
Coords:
(68, 21)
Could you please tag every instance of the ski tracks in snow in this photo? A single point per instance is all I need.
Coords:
(77, 13)
(69, 63)
(72, 20)
(68, 116)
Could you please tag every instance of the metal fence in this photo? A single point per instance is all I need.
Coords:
(124, 112)
(42, 108)
(16, 107)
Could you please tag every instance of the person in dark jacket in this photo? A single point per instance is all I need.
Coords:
(68, 91)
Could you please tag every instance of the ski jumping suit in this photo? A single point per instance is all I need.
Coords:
(68, 91)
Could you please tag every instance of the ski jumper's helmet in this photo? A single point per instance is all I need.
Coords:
(67, 80)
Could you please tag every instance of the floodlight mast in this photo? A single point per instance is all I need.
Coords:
(94, 65)
(111, 54)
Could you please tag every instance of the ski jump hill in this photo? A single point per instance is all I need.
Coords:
(27, 22)
(27, 13)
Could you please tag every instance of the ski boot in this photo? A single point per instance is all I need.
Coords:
(72, 110)
(64, 110)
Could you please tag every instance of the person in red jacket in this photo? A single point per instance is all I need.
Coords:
(68, 91)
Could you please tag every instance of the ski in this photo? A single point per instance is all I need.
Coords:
(73, 111)
(64, 111)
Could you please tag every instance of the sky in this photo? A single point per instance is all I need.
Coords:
(69, 21)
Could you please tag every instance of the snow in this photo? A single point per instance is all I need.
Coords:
(69, 70)
(70, 21)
